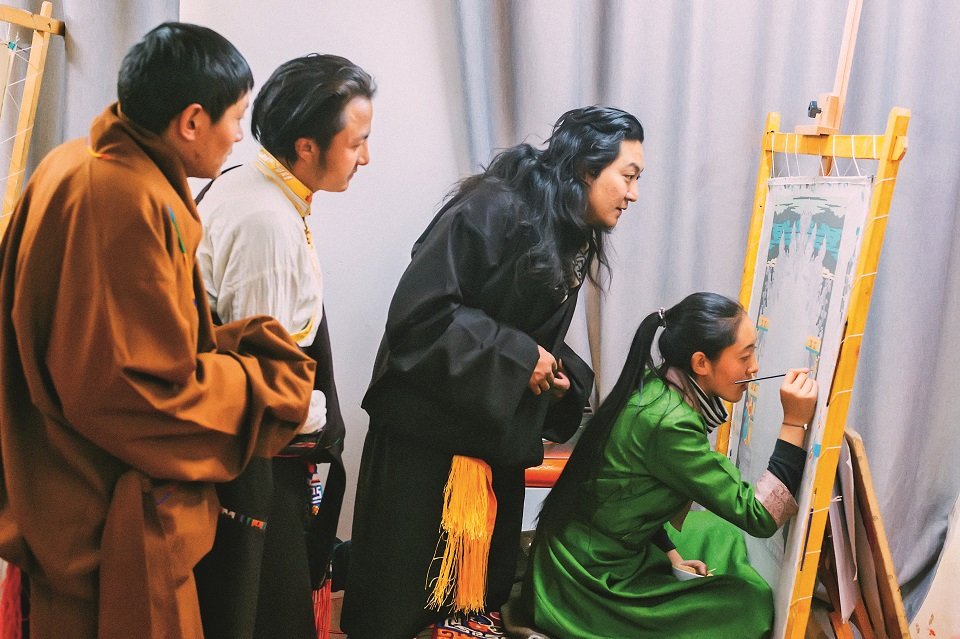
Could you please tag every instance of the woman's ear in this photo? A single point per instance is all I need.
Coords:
(700, 364)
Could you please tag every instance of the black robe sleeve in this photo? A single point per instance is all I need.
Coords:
(564, 417)
(440, 341)
(456, 357)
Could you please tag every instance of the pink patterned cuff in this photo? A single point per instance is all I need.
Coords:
(776, 498)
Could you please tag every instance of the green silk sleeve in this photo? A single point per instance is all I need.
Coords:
(682, 459)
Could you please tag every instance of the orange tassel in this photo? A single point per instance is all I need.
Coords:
(321, 610)
(11, 614)
(469, 515)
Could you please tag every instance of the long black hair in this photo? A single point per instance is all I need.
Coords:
(553, 183)
(702, 322)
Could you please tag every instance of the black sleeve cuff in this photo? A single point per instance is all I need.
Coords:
(786, 464)
(662, 541)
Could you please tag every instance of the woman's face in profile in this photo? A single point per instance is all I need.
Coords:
(615, 187)
(736, 362)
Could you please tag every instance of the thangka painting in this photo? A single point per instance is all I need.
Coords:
(805, 269)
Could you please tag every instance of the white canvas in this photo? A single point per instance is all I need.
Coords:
(805, 265)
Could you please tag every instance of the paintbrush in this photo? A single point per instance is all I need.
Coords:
(757, 379)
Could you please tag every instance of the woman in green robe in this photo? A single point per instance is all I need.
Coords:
(602, 564)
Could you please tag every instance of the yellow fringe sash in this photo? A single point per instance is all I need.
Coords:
(469, 514)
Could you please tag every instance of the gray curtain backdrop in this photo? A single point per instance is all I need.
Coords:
(701, 77)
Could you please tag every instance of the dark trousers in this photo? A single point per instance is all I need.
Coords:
(395, 532)
(255, 582)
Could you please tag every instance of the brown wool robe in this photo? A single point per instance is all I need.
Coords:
(120, 401)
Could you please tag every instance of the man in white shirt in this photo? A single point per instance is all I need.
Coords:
(274, 536)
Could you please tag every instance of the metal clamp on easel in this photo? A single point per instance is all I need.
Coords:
(827, 109)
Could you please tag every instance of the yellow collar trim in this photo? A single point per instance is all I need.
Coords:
(295, 190)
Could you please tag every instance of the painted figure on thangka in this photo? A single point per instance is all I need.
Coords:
(804, 267)
(805, 229)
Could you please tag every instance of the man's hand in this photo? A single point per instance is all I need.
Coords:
(561, 383)
(544, 374)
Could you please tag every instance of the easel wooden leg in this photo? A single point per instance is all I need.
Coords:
(829, 579)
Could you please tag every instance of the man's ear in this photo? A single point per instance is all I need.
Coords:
(700, 364)
(307, 150)
(188, 122)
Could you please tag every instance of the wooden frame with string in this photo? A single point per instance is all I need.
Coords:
(44, 26)
(888, 150)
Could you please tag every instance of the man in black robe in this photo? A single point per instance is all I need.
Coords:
(473, 363)
(452, 378)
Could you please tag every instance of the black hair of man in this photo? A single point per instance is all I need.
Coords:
(178, 64)
(305, 98)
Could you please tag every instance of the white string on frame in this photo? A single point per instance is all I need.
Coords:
(773, 154)
(17, 53)
(853, 156)
(796, 153)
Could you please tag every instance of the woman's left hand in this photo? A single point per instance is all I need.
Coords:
(698, 566)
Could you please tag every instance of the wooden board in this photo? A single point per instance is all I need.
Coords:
(894, 616)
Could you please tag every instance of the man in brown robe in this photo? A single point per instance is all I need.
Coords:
(120, 401)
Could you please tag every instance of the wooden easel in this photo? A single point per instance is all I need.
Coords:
(888, 149)
(43, 26)
(823, 140)
(828, 108)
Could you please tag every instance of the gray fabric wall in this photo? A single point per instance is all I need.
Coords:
(701, 77)
(81, 75)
